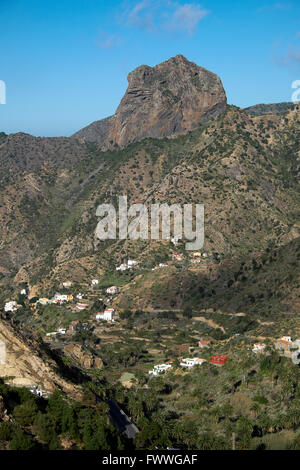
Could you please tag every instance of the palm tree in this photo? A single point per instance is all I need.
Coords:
(244, 431)
(264, 422)
(255, 408)
(209, 441)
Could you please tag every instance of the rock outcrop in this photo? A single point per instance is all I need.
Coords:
(171, 98)
(24, 365)
(85, 360)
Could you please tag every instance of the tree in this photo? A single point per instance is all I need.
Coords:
(152, 436)
(45, 426)
(21, 441)
(244, 431)
(187, 312)
(6, 431)
(255, 408)
(295, 444)
(98, 306)
(264, 422)
(135, 407)
(216, 413)
(21, 299)
(26, 413)
(209, 441)
(68, 423)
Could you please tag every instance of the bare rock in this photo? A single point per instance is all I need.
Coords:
(171, 98)
(87, 361)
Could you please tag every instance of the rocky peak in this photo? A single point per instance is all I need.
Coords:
(171, 98)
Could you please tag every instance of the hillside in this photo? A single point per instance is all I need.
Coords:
(263, 285)
(243, 169)
(273, 108)
(23, 152)
(27, 365)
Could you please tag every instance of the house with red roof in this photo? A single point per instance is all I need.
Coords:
(219, 360)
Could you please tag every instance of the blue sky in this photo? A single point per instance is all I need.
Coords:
(65, 62)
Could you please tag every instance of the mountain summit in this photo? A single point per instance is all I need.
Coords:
(171, 98)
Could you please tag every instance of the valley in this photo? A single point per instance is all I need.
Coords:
(197, 348)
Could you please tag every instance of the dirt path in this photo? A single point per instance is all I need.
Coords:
(210, 323)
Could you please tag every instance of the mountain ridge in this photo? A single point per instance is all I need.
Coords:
(242, 167)
(271, 108)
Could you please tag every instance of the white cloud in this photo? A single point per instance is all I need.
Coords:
(141, 15)
(186, 18)
(106, 41)
(166, 15)
(290, 58)
(275, 6)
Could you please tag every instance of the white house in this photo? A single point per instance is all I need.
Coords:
(131, 263)
(23, 292)
(108, 315)
(191, 362)
(112, 290)
(175, 240)
(8, 307)
(79, 296)
(259, 347)
(95, 282)
(160, 368)
(11, 306)
(122, 267)
(67, 284)
(35, 390)
(286, 338)
(60, 298)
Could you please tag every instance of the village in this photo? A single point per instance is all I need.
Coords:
(143, 350)
(104, 298)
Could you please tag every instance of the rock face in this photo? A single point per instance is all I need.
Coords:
(171, 98)
(85, 360)
(24, 367)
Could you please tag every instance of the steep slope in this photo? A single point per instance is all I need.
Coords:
(171, 98)
(23, 152)
(25, 365)
(264, 285)
(243, 169)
